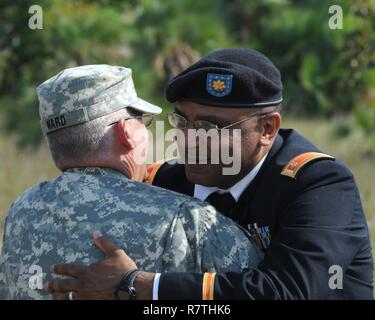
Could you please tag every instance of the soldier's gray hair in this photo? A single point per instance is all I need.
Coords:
(90, 140)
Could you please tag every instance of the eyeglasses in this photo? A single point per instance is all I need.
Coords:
(179, 122)
(145, 118)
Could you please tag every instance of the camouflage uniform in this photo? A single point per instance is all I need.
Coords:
(161, 230)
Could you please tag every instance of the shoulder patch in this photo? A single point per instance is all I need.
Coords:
(292, 168)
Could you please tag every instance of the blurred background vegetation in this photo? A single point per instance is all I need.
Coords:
(325, 72)
(328, 75)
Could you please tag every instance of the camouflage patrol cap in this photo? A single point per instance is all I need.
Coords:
(81, 94)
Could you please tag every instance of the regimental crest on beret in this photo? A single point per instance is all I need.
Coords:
(219, 85)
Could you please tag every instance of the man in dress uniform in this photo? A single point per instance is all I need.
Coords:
(96, 130)
(302, 205)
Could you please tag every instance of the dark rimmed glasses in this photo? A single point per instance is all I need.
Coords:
(146, 118)
(179, 122)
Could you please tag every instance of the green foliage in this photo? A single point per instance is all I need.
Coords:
(324, 71)
(74, 33)
(363, 66)
(313, 59)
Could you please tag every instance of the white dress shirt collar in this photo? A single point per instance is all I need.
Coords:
(202, 192)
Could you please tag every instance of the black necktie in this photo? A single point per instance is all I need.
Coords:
(223, 202)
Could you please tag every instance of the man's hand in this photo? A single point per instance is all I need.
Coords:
(99, 280)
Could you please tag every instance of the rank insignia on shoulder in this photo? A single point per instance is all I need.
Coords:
(292, 168)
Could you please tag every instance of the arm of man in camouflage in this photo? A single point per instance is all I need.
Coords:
(222, 245)
(215, 244)
(5, 275)
(3, 288)
(226, 246)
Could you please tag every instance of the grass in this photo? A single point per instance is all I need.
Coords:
(20, 169)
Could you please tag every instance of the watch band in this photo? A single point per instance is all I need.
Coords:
(127, 285)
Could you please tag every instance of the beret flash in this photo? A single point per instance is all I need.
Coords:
(238, 78)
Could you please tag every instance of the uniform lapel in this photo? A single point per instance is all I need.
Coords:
(242, 212)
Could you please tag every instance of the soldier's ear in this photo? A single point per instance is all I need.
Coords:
(271, 124)
(124, 134)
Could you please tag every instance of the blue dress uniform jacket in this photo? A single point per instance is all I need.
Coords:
(317, 226)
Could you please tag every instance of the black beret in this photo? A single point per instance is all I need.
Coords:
(229, 78)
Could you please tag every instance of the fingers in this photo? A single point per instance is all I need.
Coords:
(68, 269)
(63, 285)
(104, 244)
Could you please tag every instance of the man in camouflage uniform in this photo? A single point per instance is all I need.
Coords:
(95, 126)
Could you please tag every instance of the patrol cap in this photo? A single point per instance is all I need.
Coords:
(237, 78)
(81, 94)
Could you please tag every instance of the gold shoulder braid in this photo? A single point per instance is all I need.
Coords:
(292, 168)
(152, 170)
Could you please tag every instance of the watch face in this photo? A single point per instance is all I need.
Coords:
(126, 294)
(131, 293)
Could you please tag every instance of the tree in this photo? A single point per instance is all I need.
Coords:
(324, 71)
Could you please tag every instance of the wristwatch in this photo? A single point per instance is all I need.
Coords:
(125, 289)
